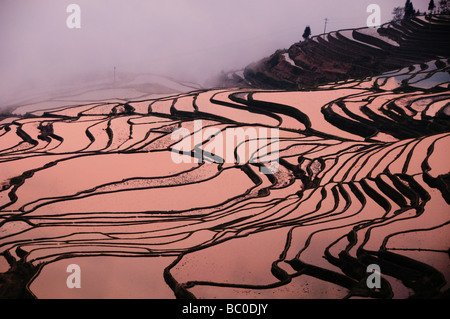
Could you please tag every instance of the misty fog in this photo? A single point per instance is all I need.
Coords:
(187, 39)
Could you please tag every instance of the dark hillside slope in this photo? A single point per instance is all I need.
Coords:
(354, 53)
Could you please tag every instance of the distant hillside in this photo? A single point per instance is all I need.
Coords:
(351, 53)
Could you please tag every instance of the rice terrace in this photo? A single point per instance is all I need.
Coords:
(340, 161)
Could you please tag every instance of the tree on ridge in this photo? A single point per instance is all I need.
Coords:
(307, 32)
(431, 6)
(444, 7)
(398, 13)
(409, 10)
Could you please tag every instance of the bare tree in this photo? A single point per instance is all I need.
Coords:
(398, 13)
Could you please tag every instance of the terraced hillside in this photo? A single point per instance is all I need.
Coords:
(350, 54)
(362, 179)
(148, 196)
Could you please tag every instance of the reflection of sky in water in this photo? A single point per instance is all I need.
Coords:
(155, 208)
(421, 81)
(232, 226)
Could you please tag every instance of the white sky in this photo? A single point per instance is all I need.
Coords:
(189, 39)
